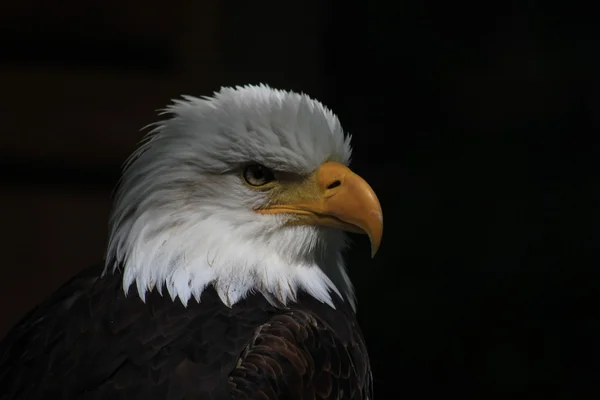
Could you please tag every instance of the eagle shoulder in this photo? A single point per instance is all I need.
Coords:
(298, 355)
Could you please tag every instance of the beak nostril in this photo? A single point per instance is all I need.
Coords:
(334, 184)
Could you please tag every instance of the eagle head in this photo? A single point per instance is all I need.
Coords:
(248, 190)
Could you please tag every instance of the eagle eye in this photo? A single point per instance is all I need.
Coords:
(257, 175)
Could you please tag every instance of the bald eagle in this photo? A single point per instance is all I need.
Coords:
(224, 276)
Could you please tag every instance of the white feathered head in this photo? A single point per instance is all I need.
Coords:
(248, 190)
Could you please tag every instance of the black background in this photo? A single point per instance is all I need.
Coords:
(475, 123)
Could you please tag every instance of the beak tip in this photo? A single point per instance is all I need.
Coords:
(375, 237)
(374, 249)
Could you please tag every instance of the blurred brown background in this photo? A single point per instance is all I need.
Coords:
(471, 121)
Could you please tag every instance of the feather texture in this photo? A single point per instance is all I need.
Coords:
(90, 341)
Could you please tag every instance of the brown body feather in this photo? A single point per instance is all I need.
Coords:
(90, 341)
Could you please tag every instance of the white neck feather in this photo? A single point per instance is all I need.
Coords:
(238, 252)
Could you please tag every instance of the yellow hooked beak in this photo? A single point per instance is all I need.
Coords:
(332, 196)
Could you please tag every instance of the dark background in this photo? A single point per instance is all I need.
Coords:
(474, 122)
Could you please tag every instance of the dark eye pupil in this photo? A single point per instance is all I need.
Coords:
(258, 173)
